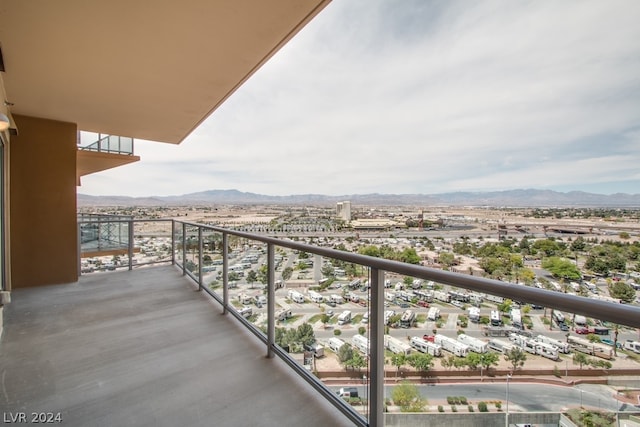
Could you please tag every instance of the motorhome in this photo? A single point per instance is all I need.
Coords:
(516, 318)
(337, 299)
(387, 316)
(547, 350)
(499, 345)
(441, 296)
(396, 345)
(476, 345)
(632, 345)
(344, 317)
(424, 346)
(433, 314)
(246, 312)
(579, 320)
(260, 300)
(295, 296)
(335, 343)
(496, 319)
(361, 343)
(315, 297)
(451, 345)
(474, 314)
(562, 346)
(316, 349)
(283, 314)
(408, 319)
(494, 298)
(525, 343)
(459, 296)
(244, 298)
(497, 331)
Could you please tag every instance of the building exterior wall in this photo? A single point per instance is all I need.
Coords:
(42, 193)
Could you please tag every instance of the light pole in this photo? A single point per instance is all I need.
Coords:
(507, 413)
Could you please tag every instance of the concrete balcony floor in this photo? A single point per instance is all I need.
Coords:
(144, 348)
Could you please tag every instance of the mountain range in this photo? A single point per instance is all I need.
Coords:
(508, 198)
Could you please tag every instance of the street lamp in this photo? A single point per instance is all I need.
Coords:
(507, 413)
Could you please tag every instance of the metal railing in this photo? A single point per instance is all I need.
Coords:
(189, 240)
(111, 144)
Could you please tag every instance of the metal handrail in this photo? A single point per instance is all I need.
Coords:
(616, 313)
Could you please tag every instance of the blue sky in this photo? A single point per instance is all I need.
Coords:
(400, 96)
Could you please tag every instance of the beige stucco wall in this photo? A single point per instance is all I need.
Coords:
(44, 244)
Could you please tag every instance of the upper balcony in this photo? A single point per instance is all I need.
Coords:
(106, 152)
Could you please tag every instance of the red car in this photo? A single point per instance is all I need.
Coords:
(423, 304)
(584, 331)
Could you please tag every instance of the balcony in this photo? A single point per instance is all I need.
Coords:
(109, 151)
(142, 347)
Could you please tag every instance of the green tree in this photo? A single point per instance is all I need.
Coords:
(345, 352)
(516, 356)
(251, 278)
(562, 268)
(287, 272)
(420, 361)
(397, 360)
(619, 289)
(357, 361)
(407, 396)
(580, 359)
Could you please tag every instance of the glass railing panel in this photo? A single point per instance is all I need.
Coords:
(152, 242)
(178, 246)
(192, 252)
(212, 262)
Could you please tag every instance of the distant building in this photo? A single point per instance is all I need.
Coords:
(343, 211)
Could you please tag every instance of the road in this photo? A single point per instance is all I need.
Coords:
(524, 397)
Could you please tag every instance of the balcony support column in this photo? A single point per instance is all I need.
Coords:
(271, 300)
(200, 258)
(225, 272)
(376, 362)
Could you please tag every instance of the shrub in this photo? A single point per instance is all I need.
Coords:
(337, 332)
(482, 407)
(450, 400)
(462, 400)
(453, 408)
(440, 408)
(498, 405)
(470, 408)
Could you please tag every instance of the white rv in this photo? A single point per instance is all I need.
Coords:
(407, 319)
(315, 297)
(424, 346)
(500, 345)
(295, 296)
(451, 345)
(433, 314)
(361, 343)
(344, 317)
(563, 346)
(396, 345)
(474, 314)
(335, 344)
(476, 345)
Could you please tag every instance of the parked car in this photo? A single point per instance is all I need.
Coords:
(583, 330)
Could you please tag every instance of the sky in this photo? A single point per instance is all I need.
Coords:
(421, 97)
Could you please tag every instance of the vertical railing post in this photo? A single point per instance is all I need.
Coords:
(376, 362)
(130, 246)
(225, 272)
(184, 248)
(173, 242)
(79, 249)
(271, 299)
(200, 258)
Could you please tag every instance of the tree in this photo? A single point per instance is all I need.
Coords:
(562, 268)
(407, 397)
(580, 359)
(251, 278)
(286, 273)
(516, 357)
(487, 360)
(619, 289)
(473, 360)
(356, 361)
(397, 360)
(420, 361)
(345, 353)
(305, 334)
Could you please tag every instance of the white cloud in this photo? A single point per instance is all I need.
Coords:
(422, 97)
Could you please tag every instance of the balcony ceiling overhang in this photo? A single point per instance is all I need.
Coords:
(146, 69)
(88, 162)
